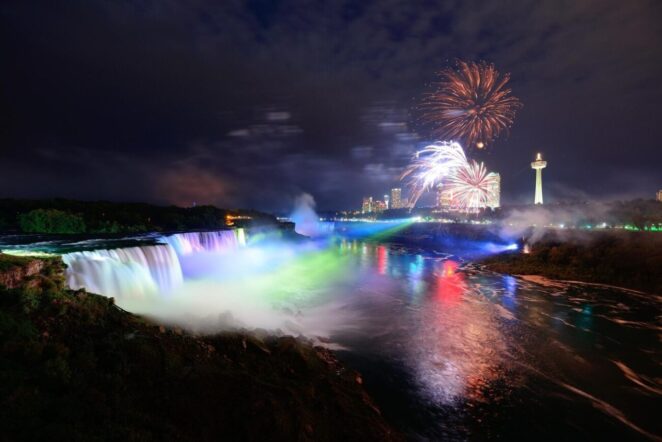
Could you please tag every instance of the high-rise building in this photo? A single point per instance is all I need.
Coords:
(538, 165)
(440, 196)
(378, 206)
(367, 204)
(445, 199)
(494, 191)
(396, 198)
(386, 201)
(659, 195)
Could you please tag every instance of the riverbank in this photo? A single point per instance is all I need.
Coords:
(77, 367)
(631, 260)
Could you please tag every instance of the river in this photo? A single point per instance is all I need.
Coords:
(447, 350)
(451, 351)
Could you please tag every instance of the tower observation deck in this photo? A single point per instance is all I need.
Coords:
(538, 165)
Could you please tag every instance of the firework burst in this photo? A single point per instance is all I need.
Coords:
(472, 186)
(432, 165)
(444, 163)
(471, 103)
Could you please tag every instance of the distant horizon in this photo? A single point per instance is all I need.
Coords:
(286, 212)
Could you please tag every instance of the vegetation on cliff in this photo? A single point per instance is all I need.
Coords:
(626, 259)
(50, 221)
(74, 366)
(62, 216)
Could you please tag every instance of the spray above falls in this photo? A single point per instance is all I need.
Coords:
(306, 220)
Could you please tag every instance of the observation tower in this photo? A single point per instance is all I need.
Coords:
(538, 165)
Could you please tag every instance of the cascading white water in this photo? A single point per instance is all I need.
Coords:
(218, 241)
(128, 272)
(135, 272)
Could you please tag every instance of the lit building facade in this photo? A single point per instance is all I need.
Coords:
(659, 195)
(494, 191)
(445, 200)
(439, 200)
(367, 205)
(396, 198)
(386, 202)
(378, 206)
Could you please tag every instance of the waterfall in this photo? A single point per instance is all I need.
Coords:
(218, 241)
(127, 272)
(141, 271)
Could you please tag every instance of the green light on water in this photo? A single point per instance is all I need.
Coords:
(299, 278)
(384, 234)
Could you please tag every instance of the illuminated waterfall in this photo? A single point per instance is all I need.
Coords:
(219, 241)
(135, 272)
(128, 272)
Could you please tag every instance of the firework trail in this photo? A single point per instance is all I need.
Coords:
(444, 163)
(471, 103)
(431, 166)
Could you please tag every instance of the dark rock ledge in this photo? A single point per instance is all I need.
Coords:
(74, 366)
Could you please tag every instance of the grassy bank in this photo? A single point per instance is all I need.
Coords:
(74, 366)
(626, 259)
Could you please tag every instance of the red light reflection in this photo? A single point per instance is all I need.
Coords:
(382, 260)
(450, 283)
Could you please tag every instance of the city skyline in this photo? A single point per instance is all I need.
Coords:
(459, 184)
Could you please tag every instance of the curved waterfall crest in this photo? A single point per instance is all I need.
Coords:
(147, 270)
(214, 241)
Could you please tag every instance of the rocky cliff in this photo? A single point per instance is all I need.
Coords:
(74, 366)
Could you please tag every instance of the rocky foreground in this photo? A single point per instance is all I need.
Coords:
(74, 366)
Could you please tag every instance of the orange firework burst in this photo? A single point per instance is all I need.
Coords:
(471, 103)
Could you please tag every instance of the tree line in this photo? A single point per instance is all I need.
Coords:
(60, 216)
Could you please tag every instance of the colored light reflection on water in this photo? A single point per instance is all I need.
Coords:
(382, 259)
(450, 283)
(509, 297)
(447, 350)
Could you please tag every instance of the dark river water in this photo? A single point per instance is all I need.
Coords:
(452, 352)
(447, 350)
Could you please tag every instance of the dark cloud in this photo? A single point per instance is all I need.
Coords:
(251, 103)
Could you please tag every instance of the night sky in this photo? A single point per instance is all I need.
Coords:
(251, 103)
